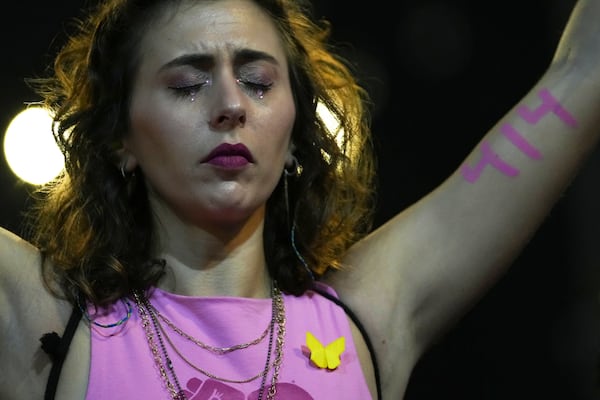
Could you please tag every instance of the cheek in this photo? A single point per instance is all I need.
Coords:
(282, 121)
(155, 132)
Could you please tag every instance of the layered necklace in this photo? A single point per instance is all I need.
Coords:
(156, 335)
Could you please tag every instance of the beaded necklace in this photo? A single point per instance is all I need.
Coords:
(92, 319)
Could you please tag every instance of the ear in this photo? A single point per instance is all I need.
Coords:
(289, 157)
(126, 160)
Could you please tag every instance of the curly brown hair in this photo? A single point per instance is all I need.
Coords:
(94, 228)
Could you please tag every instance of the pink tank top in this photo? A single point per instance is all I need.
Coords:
(122, 365)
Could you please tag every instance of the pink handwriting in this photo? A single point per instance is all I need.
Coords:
(549, 105)
(515, 137)
(532, 117)
(488, 157)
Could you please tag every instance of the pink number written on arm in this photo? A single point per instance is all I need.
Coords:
(489, 157)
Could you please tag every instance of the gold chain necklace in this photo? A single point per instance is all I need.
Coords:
(276, 316)
(213, 349)
(278, 304)
(148, 315)
(173, 388)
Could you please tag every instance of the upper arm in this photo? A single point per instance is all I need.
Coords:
(18, 267)
(425, 268)
(27, 311)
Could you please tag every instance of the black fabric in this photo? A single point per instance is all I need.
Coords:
(362, 330)
(57, 348)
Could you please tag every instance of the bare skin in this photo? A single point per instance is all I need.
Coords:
(421, 271)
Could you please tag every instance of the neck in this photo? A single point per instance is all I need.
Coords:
(201, 262)
(242, 275)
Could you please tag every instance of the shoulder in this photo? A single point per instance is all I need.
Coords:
(22, 286)
(20, 265)
(11, 244)
(18, 259)
(27, 311)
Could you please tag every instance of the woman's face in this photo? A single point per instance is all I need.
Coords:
(211, 111)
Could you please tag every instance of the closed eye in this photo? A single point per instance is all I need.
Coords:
(188, 90)
(256, 88)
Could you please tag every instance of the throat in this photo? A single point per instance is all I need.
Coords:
(218, 280)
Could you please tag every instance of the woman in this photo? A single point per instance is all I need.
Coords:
(209, 223)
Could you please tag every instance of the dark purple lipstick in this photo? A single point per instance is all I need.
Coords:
(229, 156)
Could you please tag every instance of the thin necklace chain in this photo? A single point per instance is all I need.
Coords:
(276, 316)
(174, 389)
(149, 317)
(213, 349)
(278, 305)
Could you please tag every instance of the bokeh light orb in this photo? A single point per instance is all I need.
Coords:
(29, 147)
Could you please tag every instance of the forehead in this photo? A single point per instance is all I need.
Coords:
(212, 27)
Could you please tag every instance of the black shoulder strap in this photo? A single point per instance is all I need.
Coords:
(57, 349)
(362, 330)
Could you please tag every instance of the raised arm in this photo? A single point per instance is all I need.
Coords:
(417, 274)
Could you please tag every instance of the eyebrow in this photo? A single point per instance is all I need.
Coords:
(202, 60)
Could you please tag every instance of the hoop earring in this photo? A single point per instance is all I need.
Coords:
(124, 173)
(295, 170)
(122, 169)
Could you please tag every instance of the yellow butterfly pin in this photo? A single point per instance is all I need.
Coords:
(325, 356)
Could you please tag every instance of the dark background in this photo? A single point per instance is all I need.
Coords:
(441, 73)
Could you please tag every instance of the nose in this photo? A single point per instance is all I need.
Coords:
(229, 111)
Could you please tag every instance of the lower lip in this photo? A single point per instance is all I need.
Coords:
(229, 162)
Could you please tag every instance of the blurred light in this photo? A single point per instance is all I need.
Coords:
(30, 149)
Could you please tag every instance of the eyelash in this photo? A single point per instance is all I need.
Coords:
(258, 89)
(190, 91)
